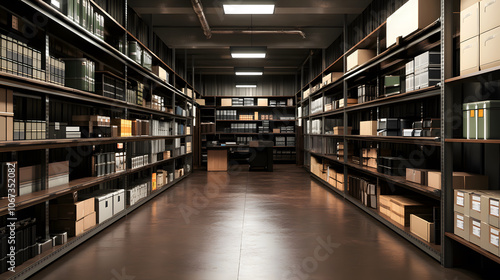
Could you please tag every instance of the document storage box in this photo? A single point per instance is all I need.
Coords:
(490, 202)
(461, 201)
(412, 16)
(490, 240)
(488, 15)
(475, 231)
(403, 207)
(135, 51)
(359, 57)
(475, 205)
(489, 56)
(478, 119)
(461, 225)
(104, 207)
(469, 56)
(368, 128)
(422, 226)
(469, 22)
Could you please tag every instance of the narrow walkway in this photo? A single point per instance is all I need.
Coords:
(248, 226)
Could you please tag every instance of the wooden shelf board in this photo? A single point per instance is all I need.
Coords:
(472, 141)
(18, 82)
(31, 199)
(473, 247)
(24, 145)
(476, 75)
(428, 141)
(399, 180)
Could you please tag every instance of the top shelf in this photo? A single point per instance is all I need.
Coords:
(494, 74)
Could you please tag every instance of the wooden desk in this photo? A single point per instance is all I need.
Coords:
(217, 159)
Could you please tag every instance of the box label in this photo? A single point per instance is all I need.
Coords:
(460, 199)
(494, 207)
(494, 237)
(476, 228)
(476, 203)
(460, 222)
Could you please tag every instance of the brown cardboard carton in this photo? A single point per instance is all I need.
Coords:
(262, 102)
(464, 180)
(332, 77)
(421, 226)
(488, 15)
(490, 203)
(403, 207)
(226, 102)
(469, 22)
(461, 201)
(434, 179)
(469, 56)
(461, 225)
(475, 229)
(489, 56)
(58, 168)
(415, 175)
(372, 162)
(359, 57)
(368, 128)
(489, 241)
(412, 16)
(89, 221)
(89, 205)
(464, 4)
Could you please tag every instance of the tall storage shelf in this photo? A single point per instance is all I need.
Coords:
(346, 122)
(114, 121)
(242, 119)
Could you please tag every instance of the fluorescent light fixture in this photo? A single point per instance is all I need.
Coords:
(245, 86)
(248, 9)
(254, 71)
(248, 52)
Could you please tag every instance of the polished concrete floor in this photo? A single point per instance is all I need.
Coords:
(248, 226)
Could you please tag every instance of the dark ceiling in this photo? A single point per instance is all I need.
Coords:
(176, 23)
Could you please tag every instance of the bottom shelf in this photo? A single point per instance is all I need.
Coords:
(37, 263)
(473, 247)
(431, 249)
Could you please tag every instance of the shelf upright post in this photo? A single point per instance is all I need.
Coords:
(346, 123)
(173, 67)
(45, 167)
(447, 48)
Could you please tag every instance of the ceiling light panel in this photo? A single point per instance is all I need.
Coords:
(248, 52)
(249, 9)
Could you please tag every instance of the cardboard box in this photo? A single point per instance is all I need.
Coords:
(6, 102)
(332, 77)
(461, 225)
(461, 180)
(469, 181)
(262, 102)
(368, 128)
(339, 130)
(403, 207)
(201, 102)
(415, 175)
(434, 179)
(372, 162)
(469, 56)
(469, 22)
(89, 221)
(489, 241)
(359, 57)
(475, 205)
(226, 102)
(385, 204)
(464, 4)
(421, 226)
(490, 202)
(161, 73)
(461, 201)
(488, 15)
(412, 16)
(489, 56)
(475, 229)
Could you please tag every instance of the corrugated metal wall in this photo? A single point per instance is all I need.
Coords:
(272, 85)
